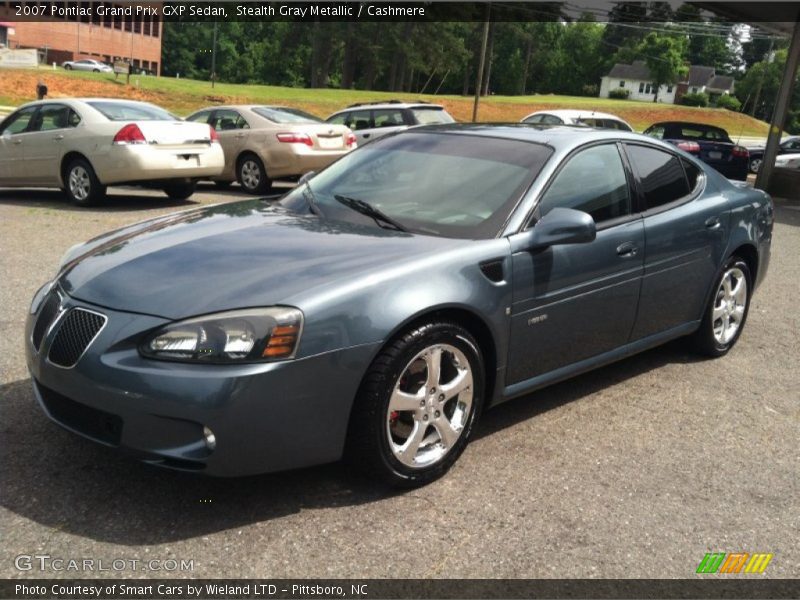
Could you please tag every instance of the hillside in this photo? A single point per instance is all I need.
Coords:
(183, 96)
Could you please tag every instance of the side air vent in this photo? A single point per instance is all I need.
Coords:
(493, 270)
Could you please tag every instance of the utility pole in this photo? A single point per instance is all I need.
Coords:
(214, 57)
(481, 63)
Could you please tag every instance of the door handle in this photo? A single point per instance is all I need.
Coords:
(627, 250)
(239, 135)
(713, 223)
(58, 137)
(366, 135)
(16, 142)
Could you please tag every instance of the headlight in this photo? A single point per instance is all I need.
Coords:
(251, 335)
(40, 295)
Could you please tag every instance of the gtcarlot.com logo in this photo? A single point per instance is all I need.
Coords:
(734, 562)
(45, 562)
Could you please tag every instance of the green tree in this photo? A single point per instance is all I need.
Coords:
(664, 57)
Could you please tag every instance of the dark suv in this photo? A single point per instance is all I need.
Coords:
(370, 120)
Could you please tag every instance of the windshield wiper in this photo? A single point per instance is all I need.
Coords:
(308, 194)
(367, 209)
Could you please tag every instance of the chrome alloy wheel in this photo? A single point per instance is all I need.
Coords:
(729, 306)
(250, 174)
(430, 406)
(80, 186)
(755, 165)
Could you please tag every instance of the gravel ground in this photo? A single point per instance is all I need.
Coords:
(634, 470)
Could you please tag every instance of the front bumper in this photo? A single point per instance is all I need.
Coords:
(147, 162)
(265, 417)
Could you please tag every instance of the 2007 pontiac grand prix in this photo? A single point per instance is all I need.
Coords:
(379, 307)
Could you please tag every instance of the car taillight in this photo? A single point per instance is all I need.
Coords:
(130, 134)
(350, 139)
(214, 136)
(689, 146)
(295, 138)
(741, 152)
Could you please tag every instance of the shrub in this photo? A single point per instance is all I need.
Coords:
(699, 99)
(590, 90)
(729, 102)
(619, 94)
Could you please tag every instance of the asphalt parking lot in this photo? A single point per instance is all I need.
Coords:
(634, 470)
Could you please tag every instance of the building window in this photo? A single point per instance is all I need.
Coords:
(117, 20)
(694, 90)
(155, 27)
(128, 25)
(669, 89)
(622, 84)
(137, 25)
(146, 26)
(154, 67)
(641, 87)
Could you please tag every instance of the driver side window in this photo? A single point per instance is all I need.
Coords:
(18, 122)
(592, 181)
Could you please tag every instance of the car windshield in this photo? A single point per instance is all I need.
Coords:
(431, 116)
(285, 115)
(132, 111)
(442, 184)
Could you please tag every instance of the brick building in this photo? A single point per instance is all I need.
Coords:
(94, 34)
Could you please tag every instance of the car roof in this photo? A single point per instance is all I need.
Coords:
(576, 114)
(685, 124)
(389, 105)
(557, 136)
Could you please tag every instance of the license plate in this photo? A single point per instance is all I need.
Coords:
(330, 142)
(715, 155)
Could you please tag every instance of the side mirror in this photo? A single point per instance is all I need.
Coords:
(306, 177)
(559, 226)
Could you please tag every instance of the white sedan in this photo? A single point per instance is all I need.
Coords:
(84, 145)
(87, 64)
(590, 118)
(788, 161)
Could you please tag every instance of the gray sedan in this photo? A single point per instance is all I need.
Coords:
(377, 309)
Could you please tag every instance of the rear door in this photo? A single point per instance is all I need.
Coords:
(387, 120)
(232, 129)
(576, 301)
(686, 230)
(359, 121)
(49, 138)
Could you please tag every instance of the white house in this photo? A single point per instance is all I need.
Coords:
(636, 79)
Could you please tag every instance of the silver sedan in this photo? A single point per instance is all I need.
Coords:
(87, 64)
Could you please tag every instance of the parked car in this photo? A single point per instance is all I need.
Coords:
(788, 161)
(710, 144)
(83, 145)
(371, 120)
(263, 143)
(790, 145)
(591, 118)
(87, 64)
(377, 308)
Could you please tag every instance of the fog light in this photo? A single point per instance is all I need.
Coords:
(210, 438)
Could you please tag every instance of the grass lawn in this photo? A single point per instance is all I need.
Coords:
(183, 96)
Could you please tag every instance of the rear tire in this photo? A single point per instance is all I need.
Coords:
(417, 405)
(726, 312)
(81, 184)
(68, 67)
(252, 175)
(180, 191)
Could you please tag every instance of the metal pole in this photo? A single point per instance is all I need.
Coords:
(781, 107)
(481, 62)
(214, 57)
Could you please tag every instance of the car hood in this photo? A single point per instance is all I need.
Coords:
(229, 256)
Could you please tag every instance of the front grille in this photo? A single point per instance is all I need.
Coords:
(47, 313)
(91, 422)
(76, 332)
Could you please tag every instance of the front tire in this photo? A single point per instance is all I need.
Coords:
(727, 310)
(180, 191)
(252, 175)
(417, 405)
(81, 184)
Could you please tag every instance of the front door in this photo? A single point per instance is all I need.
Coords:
(12, 146)
(576, 301)
(48, 135)
(231, 128)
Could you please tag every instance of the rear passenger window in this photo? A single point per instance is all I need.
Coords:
(661, 174)
(692, 174)
(358, 119)
(388, 118)
(593, 181)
